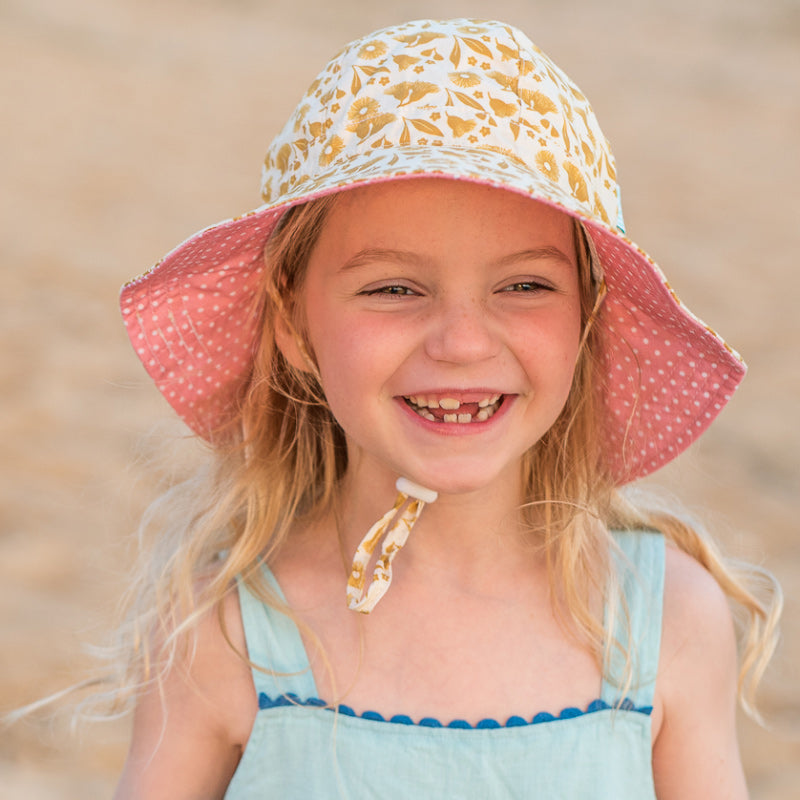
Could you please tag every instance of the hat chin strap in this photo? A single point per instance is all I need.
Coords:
(394, 527)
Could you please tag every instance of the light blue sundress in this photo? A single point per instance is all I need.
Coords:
(301, 750)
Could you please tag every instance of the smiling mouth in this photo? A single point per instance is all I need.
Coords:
(448, 410)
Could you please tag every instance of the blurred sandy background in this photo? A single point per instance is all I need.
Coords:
(129, 124)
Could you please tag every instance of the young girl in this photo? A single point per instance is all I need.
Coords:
(425, 367)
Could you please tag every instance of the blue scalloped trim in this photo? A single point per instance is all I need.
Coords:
(290, 699)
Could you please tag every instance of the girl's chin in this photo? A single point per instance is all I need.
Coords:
(459, 483)
(446, 481)
(458, 475)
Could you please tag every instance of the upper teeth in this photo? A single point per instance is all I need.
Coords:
(449, 403)
(487, 406)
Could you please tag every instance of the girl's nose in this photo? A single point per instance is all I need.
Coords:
(461, 332)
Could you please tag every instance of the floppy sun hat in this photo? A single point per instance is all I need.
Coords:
(462, 99)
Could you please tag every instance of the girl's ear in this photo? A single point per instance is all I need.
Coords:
(287, 340)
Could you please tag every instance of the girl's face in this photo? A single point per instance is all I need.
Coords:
(444, 318)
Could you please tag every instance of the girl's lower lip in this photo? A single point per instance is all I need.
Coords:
(457, 428)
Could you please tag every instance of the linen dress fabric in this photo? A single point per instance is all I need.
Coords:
(462, 99)
(300, 749)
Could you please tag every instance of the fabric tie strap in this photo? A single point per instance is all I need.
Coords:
(394, 527)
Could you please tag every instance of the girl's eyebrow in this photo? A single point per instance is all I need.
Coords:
(547, 253)
(372, 254)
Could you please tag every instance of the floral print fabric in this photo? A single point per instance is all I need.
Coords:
(481, 92)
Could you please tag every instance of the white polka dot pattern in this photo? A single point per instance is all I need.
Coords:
(192, 318)
(462, 99)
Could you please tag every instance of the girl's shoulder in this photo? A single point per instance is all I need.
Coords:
(696, 610)
(693, 604)
(190, 731)
(694, 723)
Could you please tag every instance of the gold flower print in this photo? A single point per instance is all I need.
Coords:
(546, 162)
(577, 94)
(356, 84)
(467, 101)
(282, 157)
(538, 101)
(507, 53)
(300, 115)
(357, 575)
(363, 108)
(332, 148)
(419, 38)
(464, 79)
(370, 125)
(608, 162)
(477, 45)
(373, 49)
(600, 210)
(460, 126)
(506, 81)
(404, 62)
(504, 151)
(423, 126)
(567, 107)
(502, 109)
(407, 92)
(426, 127)
(576, 182)
(473, 89)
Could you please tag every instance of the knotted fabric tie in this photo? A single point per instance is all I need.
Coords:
(394, 527)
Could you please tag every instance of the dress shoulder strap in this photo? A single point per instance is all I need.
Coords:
(274, 645)
(633, 618)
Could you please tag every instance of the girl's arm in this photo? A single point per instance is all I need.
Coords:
(695, 754)
(188, 740)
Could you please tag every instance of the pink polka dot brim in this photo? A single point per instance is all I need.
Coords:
(415, 100)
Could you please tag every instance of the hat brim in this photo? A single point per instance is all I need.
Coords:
(665, 374)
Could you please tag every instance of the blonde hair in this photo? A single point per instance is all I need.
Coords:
(282, 455)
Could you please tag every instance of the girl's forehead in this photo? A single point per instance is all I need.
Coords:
(438, 201)
(442, 218)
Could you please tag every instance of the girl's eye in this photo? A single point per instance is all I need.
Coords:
(526, 287)
(393, 290)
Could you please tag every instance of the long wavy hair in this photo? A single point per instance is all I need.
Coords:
(282, 455)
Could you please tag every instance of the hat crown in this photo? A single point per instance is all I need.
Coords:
(463, 84)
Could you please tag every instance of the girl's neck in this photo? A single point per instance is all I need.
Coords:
(476, 537)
